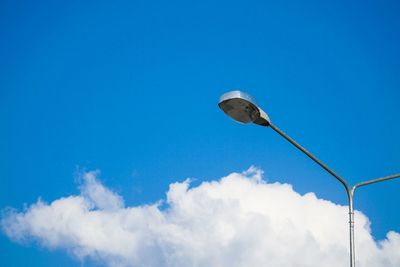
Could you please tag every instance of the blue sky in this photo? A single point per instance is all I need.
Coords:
(131, 88)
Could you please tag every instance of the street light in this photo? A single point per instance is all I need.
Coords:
(242, 108)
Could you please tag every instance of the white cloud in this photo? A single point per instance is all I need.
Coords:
(240, 220)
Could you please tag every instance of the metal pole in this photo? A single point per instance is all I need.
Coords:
(351, 210)
(340, 179)
(349, 191)
(351, 229)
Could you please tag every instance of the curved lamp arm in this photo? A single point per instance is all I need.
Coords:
(373, 181)
(311, 156)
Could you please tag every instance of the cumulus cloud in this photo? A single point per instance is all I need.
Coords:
(239, 220)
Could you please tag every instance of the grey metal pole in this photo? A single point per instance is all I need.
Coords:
(351, 229)
(340, 179)
(351, 210)
(349, 191)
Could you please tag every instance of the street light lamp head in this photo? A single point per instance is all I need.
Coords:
(242, 108)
